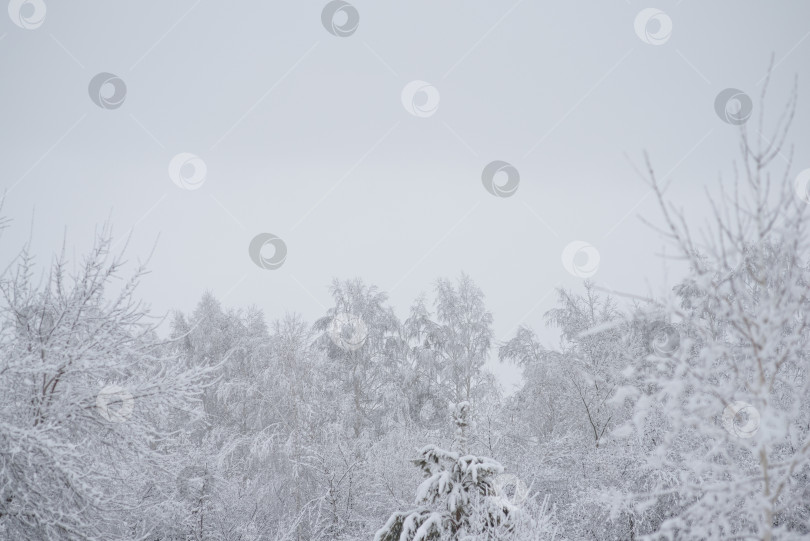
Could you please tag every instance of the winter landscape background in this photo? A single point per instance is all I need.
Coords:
(458, 270)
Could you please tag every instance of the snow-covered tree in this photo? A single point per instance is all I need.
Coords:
(361, 334)
(462, 337)
(592, 353)
(458, 499)
(86, 389)
(732, 398)
(561, 418)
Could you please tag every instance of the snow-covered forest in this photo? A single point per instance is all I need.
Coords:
(680, 417)
(311, 271)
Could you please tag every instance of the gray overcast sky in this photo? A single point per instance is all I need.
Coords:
(304, 135)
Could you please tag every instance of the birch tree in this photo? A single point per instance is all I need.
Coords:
(733, 397)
